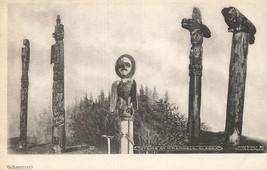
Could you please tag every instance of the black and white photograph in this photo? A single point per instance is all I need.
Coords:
(133, 79)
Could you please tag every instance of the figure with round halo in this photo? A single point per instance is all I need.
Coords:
(123, 101)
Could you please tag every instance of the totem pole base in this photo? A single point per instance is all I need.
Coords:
(126, 137)
(193, 124)
(58, 139)
(56, 149)
(22, 146)
(23, 142)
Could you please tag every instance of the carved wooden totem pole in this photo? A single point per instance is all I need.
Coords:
(25, 58)
(57, 58)
(243, 34)
(197, 32)
(124, 101)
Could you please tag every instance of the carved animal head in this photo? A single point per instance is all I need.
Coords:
(192, 25)
(232, 17)
(237, 22)
(125, 66)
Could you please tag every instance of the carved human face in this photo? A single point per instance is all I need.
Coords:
(196, 37)
(26, 42)
(125, 66)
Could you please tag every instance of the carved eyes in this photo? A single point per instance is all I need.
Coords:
(127, 64)
(124, 64)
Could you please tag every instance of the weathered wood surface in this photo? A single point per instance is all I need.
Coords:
(57, 58)
(25, 59)
(124, 102)
(197, 32)
(243, 34)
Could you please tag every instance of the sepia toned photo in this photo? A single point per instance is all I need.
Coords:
(122, 80)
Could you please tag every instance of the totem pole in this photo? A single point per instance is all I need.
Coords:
(57, 58)
(25, 58)
(123, 101)
(243, 34)
(197, 32)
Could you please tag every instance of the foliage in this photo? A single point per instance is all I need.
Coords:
(40, 131)
(158, 122)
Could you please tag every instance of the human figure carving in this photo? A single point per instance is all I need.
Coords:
(197, 32)
(25, 59)
(124, 100)
(57, 58)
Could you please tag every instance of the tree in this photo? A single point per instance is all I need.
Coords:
(158, 122)
(166, 97)
(155, 96)
(101, 97)
(41, 127)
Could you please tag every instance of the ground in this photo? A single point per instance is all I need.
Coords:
(209, 142)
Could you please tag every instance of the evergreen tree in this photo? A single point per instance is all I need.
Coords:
(155, 96)
(157, 122)
(166, 97)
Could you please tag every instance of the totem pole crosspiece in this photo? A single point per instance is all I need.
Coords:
(123, 101)
(197, 32)
(243, 34)
(57, 58)
(25, 58)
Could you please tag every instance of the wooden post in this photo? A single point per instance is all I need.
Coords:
(108, 145)
(243, 34)
(197, 32)
(108, 140)
(25, 58)
(123, 101)
(57, 58)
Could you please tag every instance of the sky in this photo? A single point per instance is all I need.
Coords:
(96, 34)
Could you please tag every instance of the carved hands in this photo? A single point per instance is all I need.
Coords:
(125, 108)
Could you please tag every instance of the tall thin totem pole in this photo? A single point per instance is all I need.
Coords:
(243, 34)
(25, 58)
(123, 101)
(57, 58)
(197, 32)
